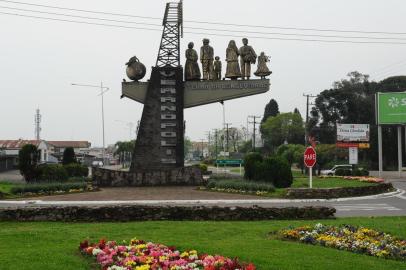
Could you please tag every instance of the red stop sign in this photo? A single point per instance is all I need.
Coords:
(309, 157)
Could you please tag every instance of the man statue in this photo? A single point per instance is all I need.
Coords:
(207, 58)
(248, 57)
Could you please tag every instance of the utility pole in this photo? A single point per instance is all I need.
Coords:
(227, 137)
(254, 128)
(209, 142)
(103, 90)
(308, 96)
(216, 139)
(37, 125)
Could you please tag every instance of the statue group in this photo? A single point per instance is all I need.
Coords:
(239, 62)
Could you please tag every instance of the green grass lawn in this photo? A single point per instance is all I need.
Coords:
(54, 245)
(6, 187)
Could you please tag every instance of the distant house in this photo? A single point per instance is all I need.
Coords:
(80, 147)
(10, 149)
(51, 151)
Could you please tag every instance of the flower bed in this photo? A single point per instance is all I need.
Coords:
(368, 179)
(140, 255)
(41, 189)
(355, 239)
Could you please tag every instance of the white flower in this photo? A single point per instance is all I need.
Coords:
(96, 251)
(393, 102)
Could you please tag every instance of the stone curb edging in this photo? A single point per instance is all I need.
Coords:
(185, 176)
(154, 213)
(333, 193)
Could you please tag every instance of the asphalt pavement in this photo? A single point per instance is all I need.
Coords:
(389, 204)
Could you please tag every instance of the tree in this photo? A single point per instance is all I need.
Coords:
(122, 147)
(271, 110)
(69, 156)
(283, 128)
(352, 101)
(187, 145)
(28, 158)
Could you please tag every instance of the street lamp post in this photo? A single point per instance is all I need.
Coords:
(103, 90)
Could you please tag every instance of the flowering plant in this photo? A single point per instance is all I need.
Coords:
(350, 238)
(141, 255)
(368, 179)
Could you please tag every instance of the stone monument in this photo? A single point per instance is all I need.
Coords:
(158, 157)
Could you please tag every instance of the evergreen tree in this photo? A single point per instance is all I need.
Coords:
(68, 156)
(28, 158)
(271, 109)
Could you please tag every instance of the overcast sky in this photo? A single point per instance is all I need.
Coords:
(39, 59)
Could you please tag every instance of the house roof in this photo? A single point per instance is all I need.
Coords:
(74, 144)
(17, 144)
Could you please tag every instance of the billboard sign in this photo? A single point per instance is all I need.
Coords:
(352, 133)
(391, 108)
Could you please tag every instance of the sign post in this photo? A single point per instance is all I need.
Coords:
(390, 110)
(353, 155)
(310, 158)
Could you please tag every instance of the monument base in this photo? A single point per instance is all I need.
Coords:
(186, 176)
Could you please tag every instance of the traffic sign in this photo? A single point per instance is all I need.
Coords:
(350, 144)
(310, 157)
(229, 161)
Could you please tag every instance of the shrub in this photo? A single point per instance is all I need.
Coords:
(28, 158)
(251, 162)
(68, 156)
(46, 187)
(240, 184)
(343, 172)
(203, 168)
(360, 172)
(76, 170)
(52, 173)
(275, 170)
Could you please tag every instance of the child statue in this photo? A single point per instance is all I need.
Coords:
(233, 67)
(217, 68)
(192, 71)
(262, 70)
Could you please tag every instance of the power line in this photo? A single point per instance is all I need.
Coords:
(213, 23)
(83, 10)
(208, 34)
(79, 16)
(83, 22)
(202, 28)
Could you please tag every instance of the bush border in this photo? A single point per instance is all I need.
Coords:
(341, 192)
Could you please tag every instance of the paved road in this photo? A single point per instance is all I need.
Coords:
(391, 204)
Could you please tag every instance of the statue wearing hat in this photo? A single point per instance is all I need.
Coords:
(247, 58)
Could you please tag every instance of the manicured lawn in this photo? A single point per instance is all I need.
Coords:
(6, 187)
(328, 183)
(47, 245)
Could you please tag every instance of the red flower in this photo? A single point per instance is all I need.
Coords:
(83, 245)
(209, 267)
(250, 267)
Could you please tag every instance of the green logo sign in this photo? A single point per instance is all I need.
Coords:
(229, 161)
(391, 108)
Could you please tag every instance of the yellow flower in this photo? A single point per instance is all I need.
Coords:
(184, 254)
(142, 267)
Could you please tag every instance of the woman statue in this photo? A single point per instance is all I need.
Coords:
(233, 67)
(262, 70)
(192, 71)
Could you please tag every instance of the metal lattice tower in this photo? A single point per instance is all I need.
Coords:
(37, 120)
(169, 50)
